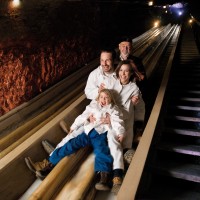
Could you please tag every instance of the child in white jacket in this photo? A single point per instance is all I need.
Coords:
(95, 135)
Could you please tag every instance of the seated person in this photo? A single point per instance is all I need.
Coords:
(94, 134)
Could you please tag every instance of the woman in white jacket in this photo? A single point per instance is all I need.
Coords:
(94, 134)
(127, 95)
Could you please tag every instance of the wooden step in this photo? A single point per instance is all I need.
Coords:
(183, 118)
(189, 132)
(189, 172)
(168, 188)
(180, 148)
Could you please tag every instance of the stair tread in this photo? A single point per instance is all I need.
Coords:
(184, 171)
(173, 190)
(183, 118)
(191, 132)
(182, 107)
(180, 148)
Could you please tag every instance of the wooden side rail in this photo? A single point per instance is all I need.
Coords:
(13, 170)
(11, 141)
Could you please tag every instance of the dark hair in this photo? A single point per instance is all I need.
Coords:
(125, 39)
(125, 62)
(109, 50)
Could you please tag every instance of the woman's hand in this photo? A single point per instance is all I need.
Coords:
(120, 138)
(106, 120)
(101, 87)
(135, 99)
(70, 131)
(139, 76)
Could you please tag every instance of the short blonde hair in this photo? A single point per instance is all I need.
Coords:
(109, 93)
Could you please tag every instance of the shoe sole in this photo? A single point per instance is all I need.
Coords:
(115, 189)
(102, 188)
(64, 127)
(38, 175)
(128, 156)
(29, 165)
(47, 147)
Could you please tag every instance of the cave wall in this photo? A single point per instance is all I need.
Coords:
(42, 42)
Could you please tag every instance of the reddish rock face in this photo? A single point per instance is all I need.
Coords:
(42, 42)
(38, 49)
(25, 73)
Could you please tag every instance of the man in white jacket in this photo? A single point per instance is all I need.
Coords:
(103, 76)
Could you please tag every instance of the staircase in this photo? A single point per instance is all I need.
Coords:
(172, 169)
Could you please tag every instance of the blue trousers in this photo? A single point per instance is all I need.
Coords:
(103, 159)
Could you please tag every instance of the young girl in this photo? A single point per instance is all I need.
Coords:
(94, 134)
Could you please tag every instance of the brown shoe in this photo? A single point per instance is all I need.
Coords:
(64, 127)
(103, 183)
(41, 174)
(117, 182)
(48, 147)
(37, 165)
(128, 156)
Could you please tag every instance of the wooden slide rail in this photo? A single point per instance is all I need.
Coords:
(32, 147)
(78, 191)
(84, 182)
(60, 175)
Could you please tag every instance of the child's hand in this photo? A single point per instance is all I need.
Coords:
(135, 99)
(91, 118)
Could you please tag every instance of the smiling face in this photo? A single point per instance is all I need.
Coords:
(106, 62)
(104, 99)
(125, 74)
(125, 48)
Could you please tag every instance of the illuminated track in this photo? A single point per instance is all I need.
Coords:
(13, 158)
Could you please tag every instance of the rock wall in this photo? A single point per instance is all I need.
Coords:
(42, 42)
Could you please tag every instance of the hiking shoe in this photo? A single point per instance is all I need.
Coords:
(41, 174)
(128, 156)
(117, 182)
(64, 127)
(36, 166)
(103, 183)
(48, 147)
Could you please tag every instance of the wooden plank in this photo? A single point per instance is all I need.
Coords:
(62, 172)
(22, 178)
(183, 131)
(184, 171)
(180, 148)
(80, 183)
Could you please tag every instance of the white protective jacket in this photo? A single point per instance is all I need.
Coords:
(117, 124)
(123, 95)
(95, 79)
